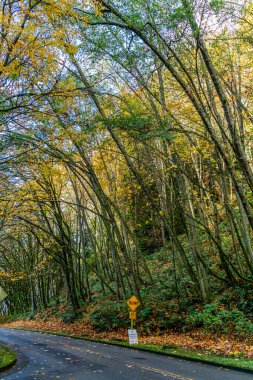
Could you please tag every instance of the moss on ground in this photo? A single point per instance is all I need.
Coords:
(7, 357)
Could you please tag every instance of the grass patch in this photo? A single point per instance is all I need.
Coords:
(7, 357)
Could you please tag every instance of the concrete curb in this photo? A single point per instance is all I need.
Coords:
(176, 356)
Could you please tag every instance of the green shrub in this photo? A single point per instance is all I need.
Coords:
(68, 316)
(215, 318)
(145, 313)
(244, 299)
(108, 314)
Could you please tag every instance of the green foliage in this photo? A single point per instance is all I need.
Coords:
(245, 299)
(141, 127)
(119, 145)
(145, 312)
(68, 316)
(108, 314)
(178, 15)
(215, 318)
(216, 5)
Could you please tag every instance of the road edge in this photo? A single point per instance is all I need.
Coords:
(125, 345)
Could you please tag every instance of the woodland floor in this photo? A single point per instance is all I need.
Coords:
(226, 345)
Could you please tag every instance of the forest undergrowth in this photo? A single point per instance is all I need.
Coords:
(223, 326)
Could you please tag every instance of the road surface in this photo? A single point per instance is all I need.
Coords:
(44, 356)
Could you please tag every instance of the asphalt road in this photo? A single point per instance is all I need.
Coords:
(44, 356)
